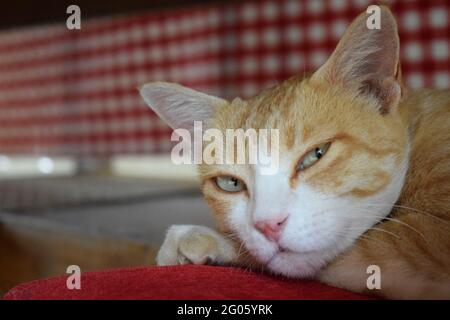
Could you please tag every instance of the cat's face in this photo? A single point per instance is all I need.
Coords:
(343, 152)
(324, 207)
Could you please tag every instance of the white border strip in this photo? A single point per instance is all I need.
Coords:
(160, 167)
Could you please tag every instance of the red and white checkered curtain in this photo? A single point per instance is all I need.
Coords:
(65, 92)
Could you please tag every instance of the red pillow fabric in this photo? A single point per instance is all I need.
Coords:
(188, 282)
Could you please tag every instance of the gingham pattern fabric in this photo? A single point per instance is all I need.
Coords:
(74, 92)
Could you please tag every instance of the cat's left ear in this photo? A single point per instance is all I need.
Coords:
(179, 106)
(367, 60)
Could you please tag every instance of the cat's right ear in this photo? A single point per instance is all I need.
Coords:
(179, 106)
(367, 60)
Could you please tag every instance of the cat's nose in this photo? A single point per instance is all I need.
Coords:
(271, 228)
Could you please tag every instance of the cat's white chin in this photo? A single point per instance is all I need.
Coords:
(296, 264)
(287, 260)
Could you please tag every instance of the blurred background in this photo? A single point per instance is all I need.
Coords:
(85, 172)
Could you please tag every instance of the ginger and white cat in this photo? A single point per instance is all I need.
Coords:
(364, 175)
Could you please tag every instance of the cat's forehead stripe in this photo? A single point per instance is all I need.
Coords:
(275, 108)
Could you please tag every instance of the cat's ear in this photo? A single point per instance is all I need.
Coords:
(179, 106)
(367, 60)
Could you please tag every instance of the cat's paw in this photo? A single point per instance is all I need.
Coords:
(188, 244)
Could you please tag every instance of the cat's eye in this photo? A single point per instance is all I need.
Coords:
(229, 184)
(312, 156)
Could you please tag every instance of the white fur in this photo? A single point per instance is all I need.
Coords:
(319, 226)
(172, 251)
(179, 106)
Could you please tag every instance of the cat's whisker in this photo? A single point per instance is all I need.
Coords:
(375, 229)
(425, 213)
(363, 236)
(366, 237)
(242, 252)
(249, 267)
(381, 218)
(429, 214)
(406, 225)
(385, 231)
(240, 248)
(371, 239)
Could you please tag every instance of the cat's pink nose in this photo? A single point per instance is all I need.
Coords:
(271, 228)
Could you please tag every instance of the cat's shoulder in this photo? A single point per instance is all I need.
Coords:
(426, 105)
(427, 98)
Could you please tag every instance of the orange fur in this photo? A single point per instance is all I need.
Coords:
(375, 132)
(416, 264)
(413, 252)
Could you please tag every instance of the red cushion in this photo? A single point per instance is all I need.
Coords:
(178, 282)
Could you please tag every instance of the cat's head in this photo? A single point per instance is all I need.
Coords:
(343, 152)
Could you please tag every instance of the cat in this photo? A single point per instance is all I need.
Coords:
(364, 176)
